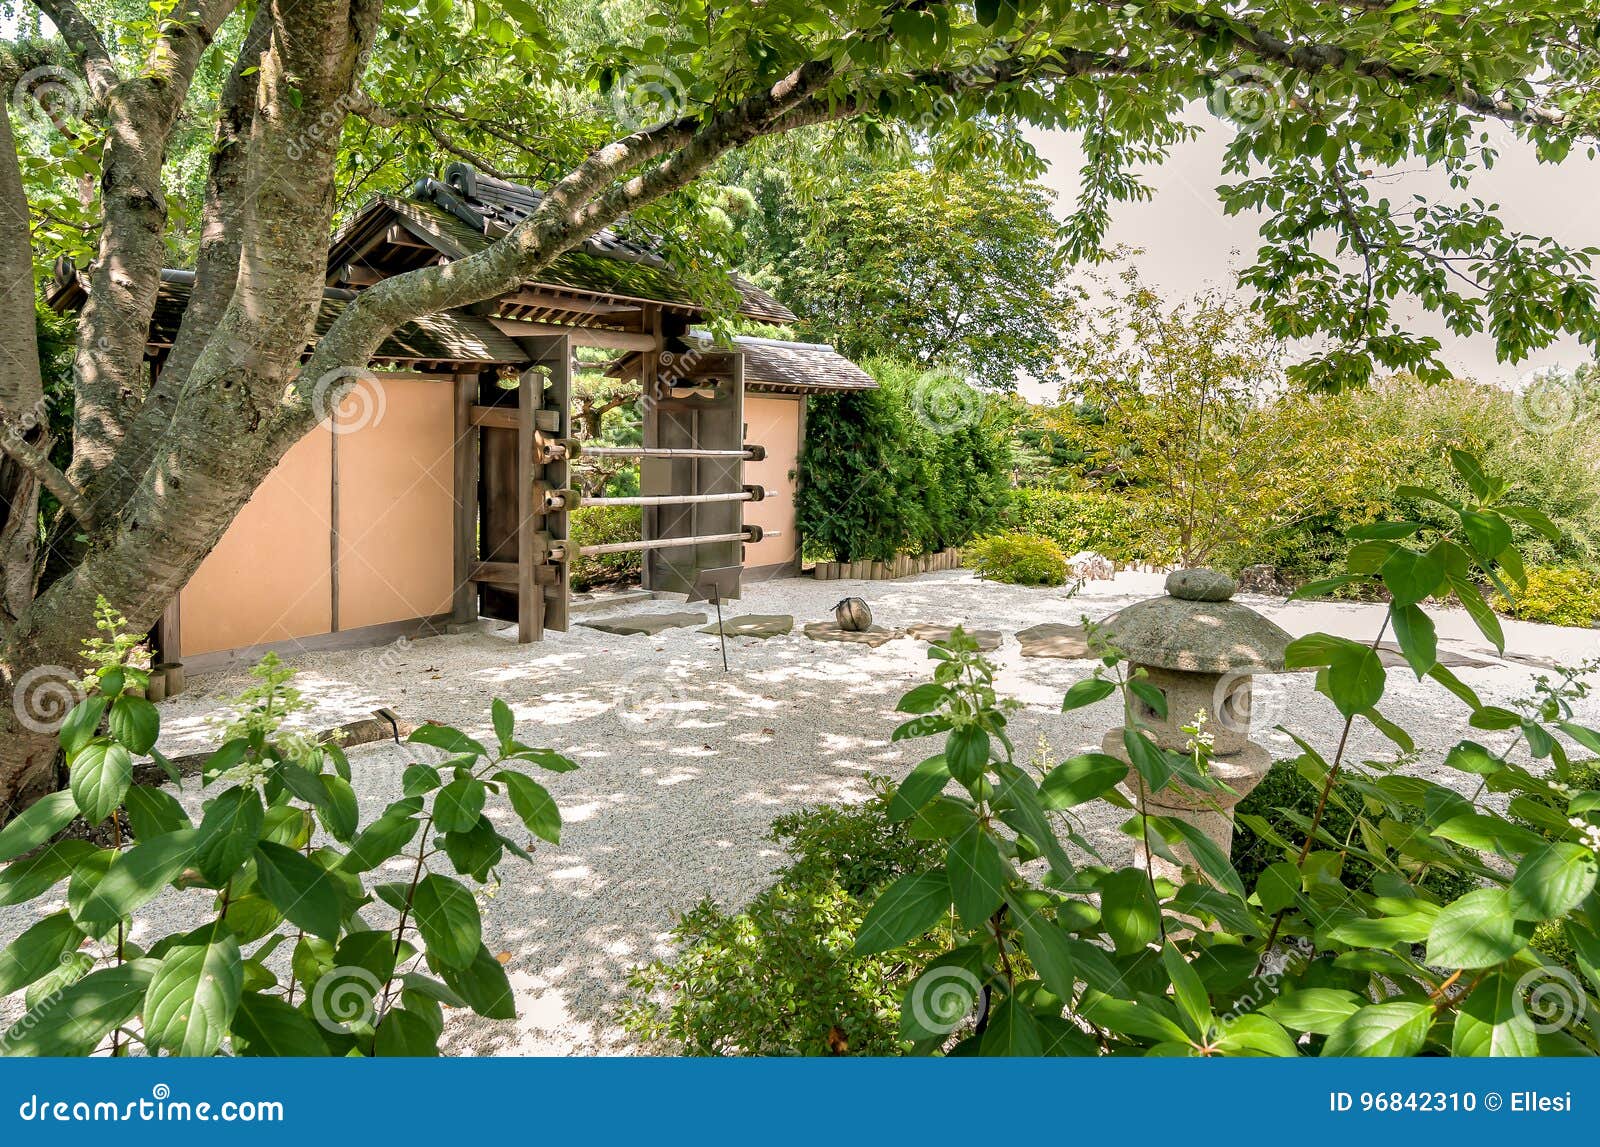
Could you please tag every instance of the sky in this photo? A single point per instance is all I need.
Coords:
(1189, 244)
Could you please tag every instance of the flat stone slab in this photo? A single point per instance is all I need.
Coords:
(829, 631)
(754, 625)
(648, 624)
(1389, 653)
(1053, 639)
(988, 639)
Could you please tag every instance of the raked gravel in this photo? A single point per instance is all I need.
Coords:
(685, 766)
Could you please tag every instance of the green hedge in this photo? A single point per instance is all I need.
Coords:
(597, 525)
(1558, 595)
(917, 466)
(1018, 559)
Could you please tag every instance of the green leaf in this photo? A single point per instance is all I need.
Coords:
(37, 823)
(193, 995)
(1355, 680)
(1476, 931)
(1492, 1021)
(1552, 881)
(908, 908)
(381, 840)
(1194, 1004)
(135, 722)
(229, 828)
(977, 875)
(1012, 1031)
(1478, 609)
(921, 785)
(136, 877)
(1129, 910)
(1414, 632)
(341, 816)
(966, 752)
(925, 698)
(482, 985)
(22, 880)
(100, 776)
(1087, 692)
(81, 724)
(1083, 778)
(74, 1022)
(1317, 1010)
(547, 759)
(448, 739)
(1392, 1029)
(1049, 948)
(403, 1033)
(533, 804)
(1487, 533)
(458, 804)
(1470, 469)
(505, 724)
(37, 951)
(300, 888)
(1537, 519)
(1412, 577)
(1152, 764)
(1278, 887)
(1155, 700)
(152, 811)
(266, 1026)
(447, 916)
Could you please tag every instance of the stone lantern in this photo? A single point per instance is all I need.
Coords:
(1200, 649)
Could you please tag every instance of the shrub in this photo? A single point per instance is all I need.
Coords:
(779, 977)
(597, 525)
(1558, 595)
(1019, 559)
(1280, 809)
(918, 465)
(339, 985)
(1110, 524)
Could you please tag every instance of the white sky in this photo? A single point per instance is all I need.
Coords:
(1190, 244)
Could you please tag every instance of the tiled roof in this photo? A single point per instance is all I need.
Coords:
(772, 363)
(468, 210)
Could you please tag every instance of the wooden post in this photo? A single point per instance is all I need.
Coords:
(464, 603)
(530, 600)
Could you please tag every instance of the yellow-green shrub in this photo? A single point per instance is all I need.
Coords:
(1020, 559)
(1559, 595)
(597, 525)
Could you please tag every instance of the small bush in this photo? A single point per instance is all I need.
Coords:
(1077, 520)
(1286, 801)
(1557, 595)
(1020, 559)
(597, 525)
(780, 978)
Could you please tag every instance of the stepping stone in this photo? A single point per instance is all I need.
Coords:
(754, 625)
(829, 631)
(988, 639)
(1389, 653)
(648, 624)
(1053, 639)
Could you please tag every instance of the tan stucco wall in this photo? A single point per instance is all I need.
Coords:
(775, 423)
(396, 509)
(268, 579)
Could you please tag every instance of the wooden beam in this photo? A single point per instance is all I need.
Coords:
(398, 236)
(555, 301)
(501, 417)
(357, 276)
(530, 599)
(583, 336)
(464, 602)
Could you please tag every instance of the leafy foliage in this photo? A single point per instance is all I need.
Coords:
(290, 960)
(814, 997)
(1559, 595)
(1105, 522)
(1067, 957)
(1020, 559)
(596, 525)
(918, 465)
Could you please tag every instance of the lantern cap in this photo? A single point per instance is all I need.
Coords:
(1196, 628)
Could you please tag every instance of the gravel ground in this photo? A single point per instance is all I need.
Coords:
(685, 766)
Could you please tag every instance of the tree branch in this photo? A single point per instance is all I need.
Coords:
(36, 461)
